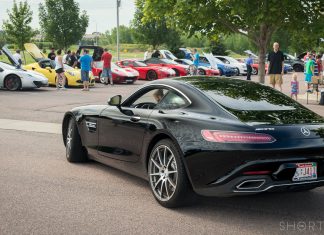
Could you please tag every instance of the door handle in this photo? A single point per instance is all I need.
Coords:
(135, 118)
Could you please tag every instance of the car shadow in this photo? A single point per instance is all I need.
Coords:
(262, 210)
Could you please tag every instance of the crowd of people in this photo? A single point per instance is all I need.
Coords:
(313, 70)
(80, 60)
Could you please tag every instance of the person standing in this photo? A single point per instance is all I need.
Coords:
(294, 86)
(73, 61)
(66, 57)
(249, 62)
(59, 69)
(106, 71)
(276, 66)
(86, 62)
(195, 59)
(309, 71)
(17, 57)
(52, 54)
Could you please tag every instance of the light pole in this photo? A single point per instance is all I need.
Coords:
(118, 5)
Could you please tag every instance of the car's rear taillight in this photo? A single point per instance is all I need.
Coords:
(237, 137)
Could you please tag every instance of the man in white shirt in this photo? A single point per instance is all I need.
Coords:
(17, 57)
(66, 57)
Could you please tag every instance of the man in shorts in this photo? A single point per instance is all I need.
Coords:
(86, 65)
(106, 71)
(276, 66)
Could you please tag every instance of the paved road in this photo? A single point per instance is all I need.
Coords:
(41, 193)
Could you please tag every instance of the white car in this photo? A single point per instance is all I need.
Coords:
(13, 78)
(240, 67)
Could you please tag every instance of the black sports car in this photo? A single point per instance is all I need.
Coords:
(208, 135)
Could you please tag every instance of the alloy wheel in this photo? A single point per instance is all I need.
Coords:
(163, 173)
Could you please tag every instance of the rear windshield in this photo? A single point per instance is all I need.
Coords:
(251, 102)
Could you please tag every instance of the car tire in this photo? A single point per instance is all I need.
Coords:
(151, 75)
(75, 152)
(237, 72)
(201, 72)
(167, 175)
(177, 73)
(12, 83)
(255, 71)
(298, 68)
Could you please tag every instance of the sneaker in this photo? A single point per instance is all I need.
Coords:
(106, 83)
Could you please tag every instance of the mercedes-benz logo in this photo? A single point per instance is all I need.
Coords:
(305, 131)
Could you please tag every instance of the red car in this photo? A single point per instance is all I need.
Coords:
(147, 72)
(179, 69)
(255, 68)
(119, 75)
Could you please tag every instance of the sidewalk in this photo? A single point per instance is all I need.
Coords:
(312, 103)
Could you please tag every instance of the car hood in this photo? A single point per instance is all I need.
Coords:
(12, 60)
(34, 51)
(211, 60)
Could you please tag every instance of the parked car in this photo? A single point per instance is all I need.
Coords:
(240, 67)
(180, 69)
(223, 68)
(202, 70)
(13, 77)
(213, 137)
(46, 67)
(147, 72)
(119, 75)
(255, 68)
(297, 64)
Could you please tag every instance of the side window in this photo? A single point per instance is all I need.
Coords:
(125, 63)
(172, 100)
(149, 99)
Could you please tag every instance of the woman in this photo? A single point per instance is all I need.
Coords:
(59, 71)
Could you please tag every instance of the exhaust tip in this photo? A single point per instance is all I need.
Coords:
(251, 184)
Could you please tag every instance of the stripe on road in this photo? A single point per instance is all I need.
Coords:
(19, 125)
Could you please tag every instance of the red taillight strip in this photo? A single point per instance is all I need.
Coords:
(237, 137)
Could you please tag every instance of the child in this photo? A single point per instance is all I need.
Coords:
(294, 86)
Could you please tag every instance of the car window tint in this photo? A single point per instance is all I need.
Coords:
(172, 100)
(125, 63)
(149, 99)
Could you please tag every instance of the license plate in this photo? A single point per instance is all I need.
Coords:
(129, 80)
(305, 171)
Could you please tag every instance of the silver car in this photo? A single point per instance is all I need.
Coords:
(13, 77)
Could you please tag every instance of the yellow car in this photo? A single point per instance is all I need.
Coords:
(46, 67)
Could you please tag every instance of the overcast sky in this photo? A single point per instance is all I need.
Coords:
(102, 13)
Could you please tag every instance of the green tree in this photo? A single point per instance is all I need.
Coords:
(154, 32)
(2, 39)
(17, 28)
(62, 22)
(255, 19)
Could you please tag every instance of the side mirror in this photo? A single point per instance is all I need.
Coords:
(115, 100)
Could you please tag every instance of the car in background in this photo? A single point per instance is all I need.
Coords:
(223, 68)
(179, 69)
(13, 77)
(186, 53)
(202, 70)
(46, 67)
(167, 54)
(119, 74)
(147, 72)
(297, 64)
(240, 67)
(255, 68)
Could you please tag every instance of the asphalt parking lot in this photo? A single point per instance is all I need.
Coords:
(41, 193)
